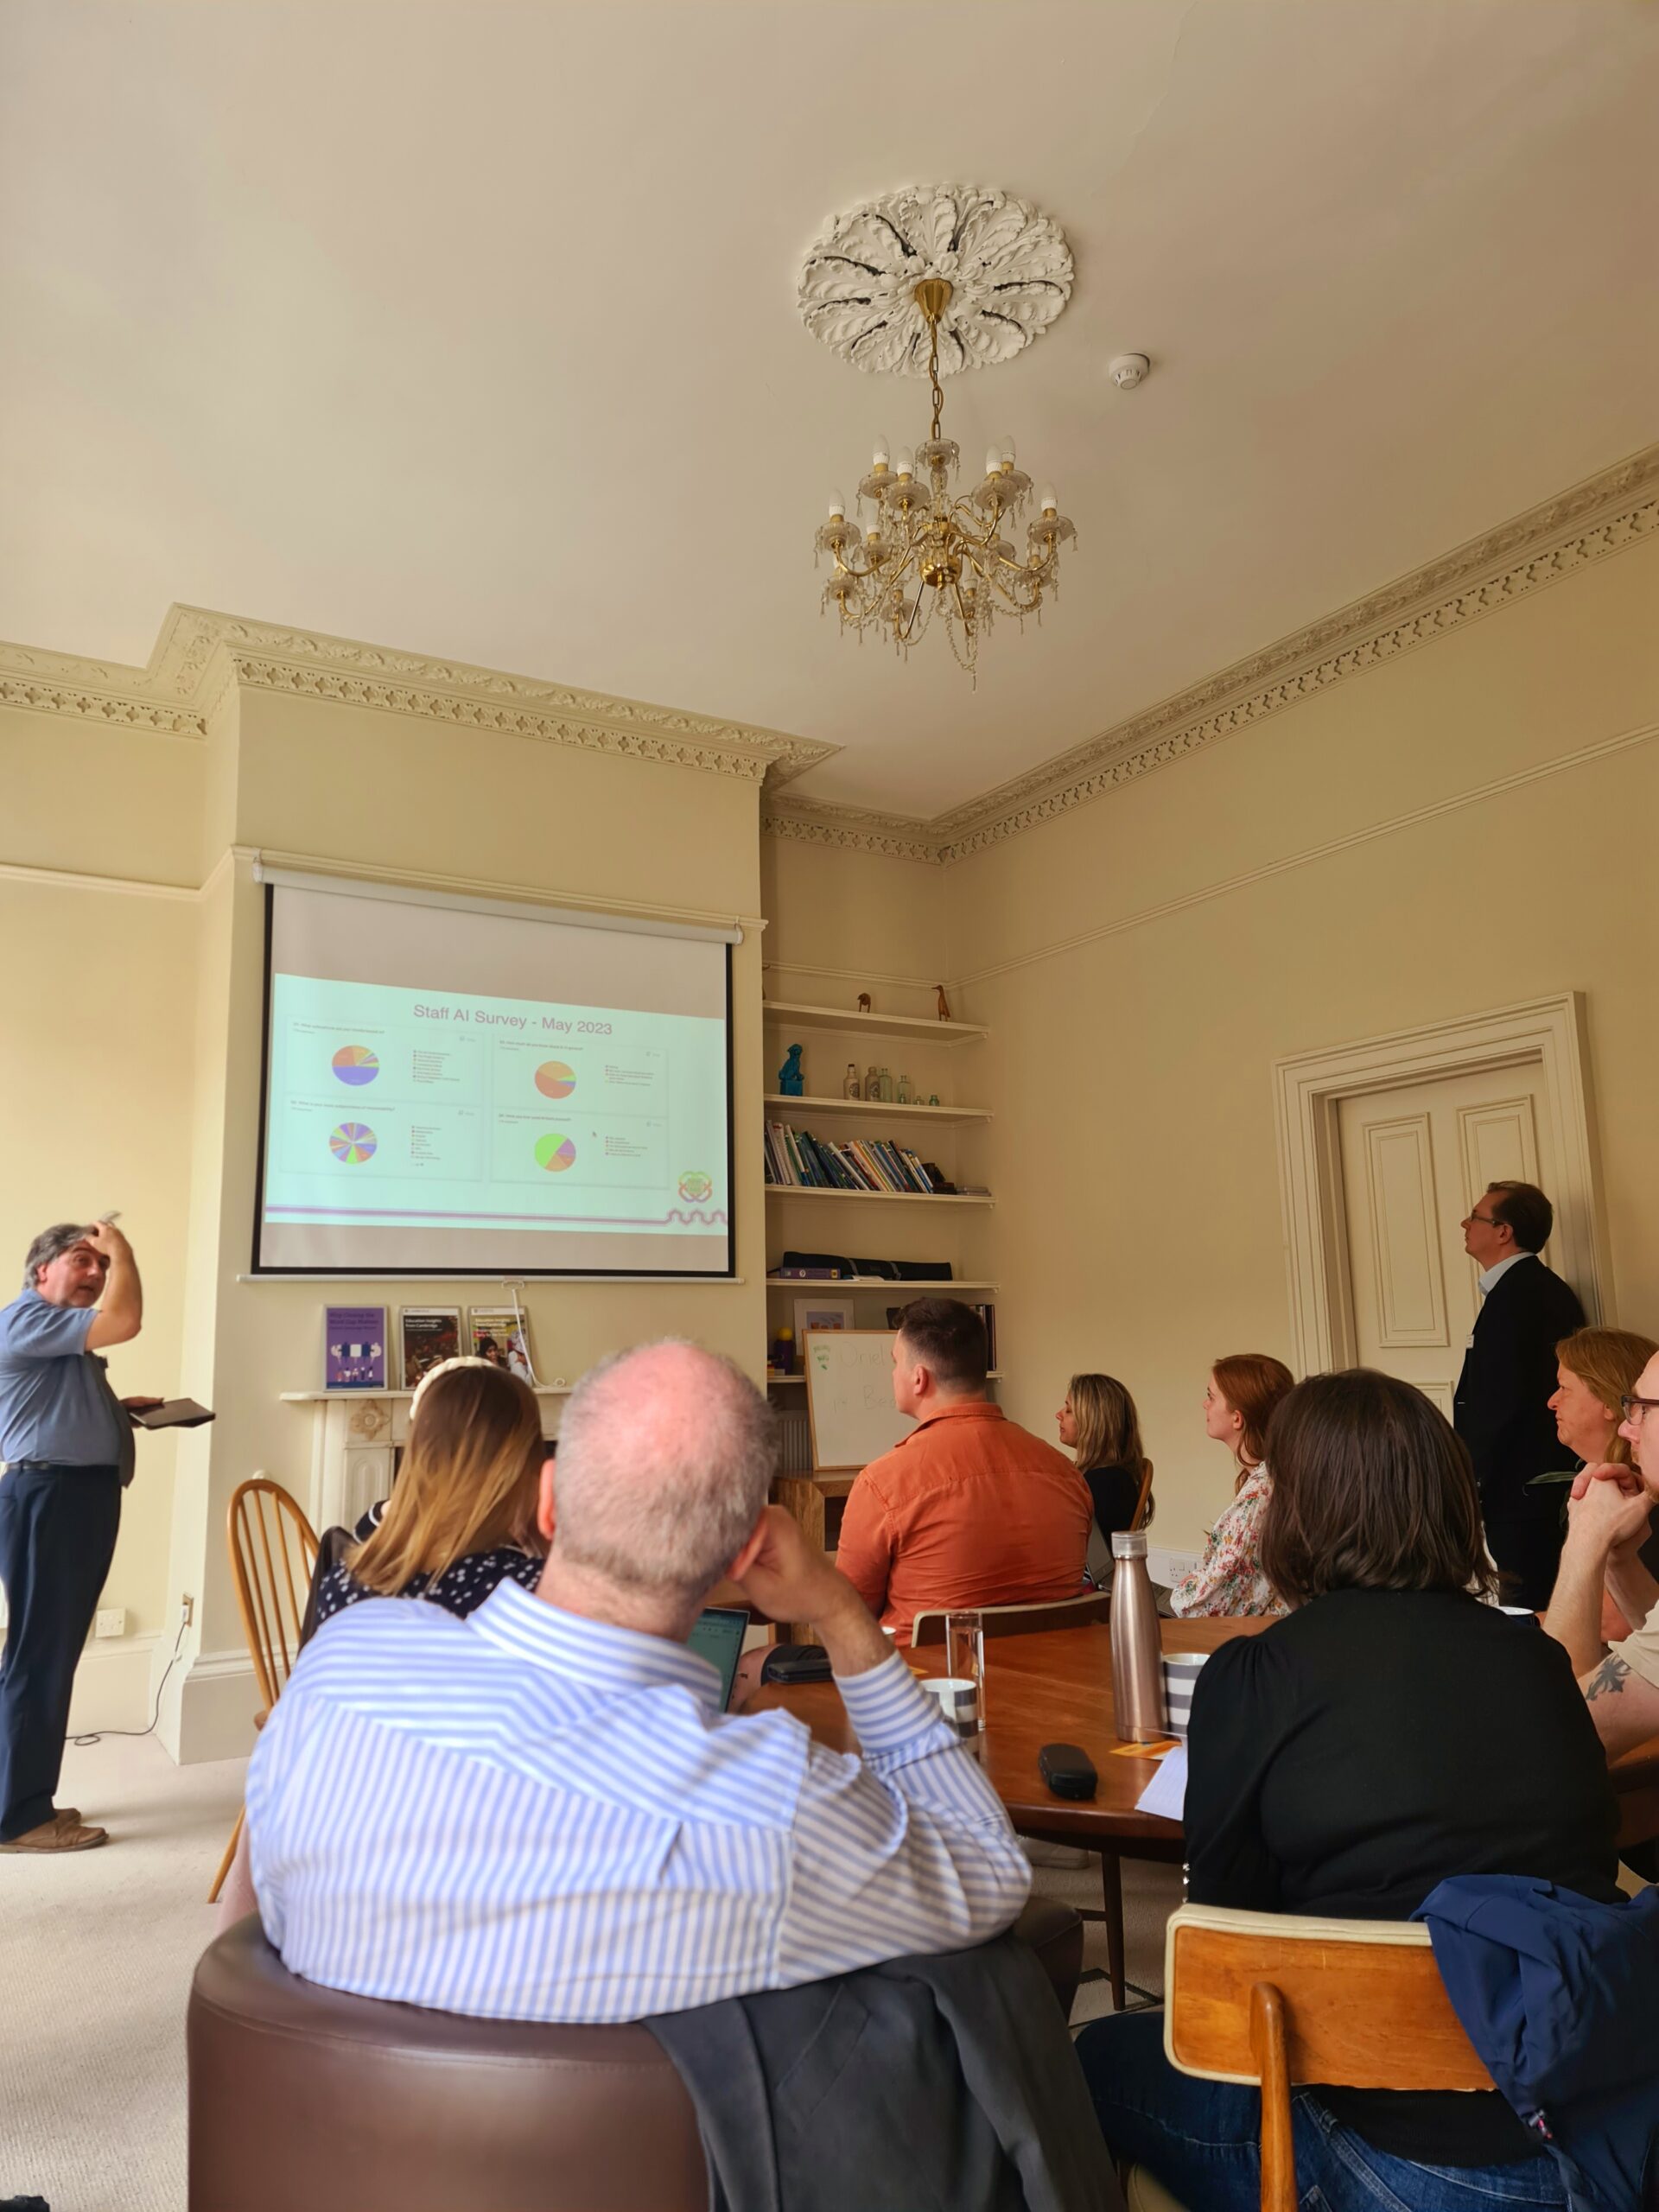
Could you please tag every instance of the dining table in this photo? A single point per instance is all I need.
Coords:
(1056, 1687)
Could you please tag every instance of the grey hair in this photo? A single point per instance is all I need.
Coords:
(707, 1473)
(51, 1244)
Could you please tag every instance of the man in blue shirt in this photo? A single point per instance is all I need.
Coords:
(541, 1812)
(68, 1443)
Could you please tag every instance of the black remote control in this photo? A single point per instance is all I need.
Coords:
(1068, 1771)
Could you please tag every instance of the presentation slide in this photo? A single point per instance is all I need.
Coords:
(461, 1091)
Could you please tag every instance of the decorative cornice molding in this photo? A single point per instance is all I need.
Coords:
(198, 652)
(1603, 515)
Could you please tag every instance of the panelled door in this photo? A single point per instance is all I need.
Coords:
(1414, 1162)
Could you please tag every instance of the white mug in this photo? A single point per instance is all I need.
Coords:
(958, 1700)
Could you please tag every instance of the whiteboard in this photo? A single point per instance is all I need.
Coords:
(850, 1396)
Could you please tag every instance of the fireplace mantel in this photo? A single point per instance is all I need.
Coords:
(353, 1436)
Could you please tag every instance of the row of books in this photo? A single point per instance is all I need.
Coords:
(796, 1157)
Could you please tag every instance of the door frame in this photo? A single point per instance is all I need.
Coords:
(1548, 1033)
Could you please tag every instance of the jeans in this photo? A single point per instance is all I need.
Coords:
(1202, 2140)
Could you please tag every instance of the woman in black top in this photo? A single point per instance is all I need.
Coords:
(1100, 1426)
(1391, 1732)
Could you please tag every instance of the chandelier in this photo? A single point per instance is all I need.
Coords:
(923, 551)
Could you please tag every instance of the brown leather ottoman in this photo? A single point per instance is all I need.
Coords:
(302, 2099)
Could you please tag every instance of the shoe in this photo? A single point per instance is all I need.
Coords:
(63, 1832)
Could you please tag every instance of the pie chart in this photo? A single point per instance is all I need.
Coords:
(554, 1080)
(356, 1063)
(355, 1140)
(555, 1152)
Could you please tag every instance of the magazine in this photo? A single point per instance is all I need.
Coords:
(501, 1335)
(353, 1347)
(431, 1334)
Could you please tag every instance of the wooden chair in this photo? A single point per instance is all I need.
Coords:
(1018, 1620)
(273, 1550)
(1274, 2000)
(1143, 1503)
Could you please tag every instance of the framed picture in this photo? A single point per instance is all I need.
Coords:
(821, 1314)
(430, 1333)
(353, 1347)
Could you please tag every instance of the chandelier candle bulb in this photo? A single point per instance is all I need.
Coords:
(1007, 453)
(992, 460)
(906, 461)
(879, 458)
(837, 507)
(1048, 499)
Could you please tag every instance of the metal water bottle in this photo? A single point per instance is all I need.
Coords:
(1137, 1650)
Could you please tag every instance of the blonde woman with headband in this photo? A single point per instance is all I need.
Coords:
(1099, 1423)
(461, 1519)
(462, 1516)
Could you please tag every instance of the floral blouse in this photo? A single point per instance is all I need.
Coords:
(1229, 1577)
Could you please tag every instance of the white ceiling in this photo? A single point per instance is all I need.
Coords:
(471, 328)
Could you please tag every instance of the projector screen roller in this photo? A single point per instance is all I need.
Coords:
(454, 1091)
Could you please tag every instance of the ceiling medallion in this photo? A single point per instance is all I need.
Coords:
(1006, 266)
(920, 551)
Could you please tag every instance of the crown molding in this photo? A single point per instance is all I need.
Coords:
(1605, 515)
(198, 653)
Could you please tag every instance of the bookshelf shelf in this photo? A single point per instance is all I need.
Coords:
(884, 1197)
(878, 1106)
(810, 1287)
(872, 1025)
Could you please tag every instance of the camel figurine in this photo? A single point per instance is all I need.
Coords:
(944, 1003)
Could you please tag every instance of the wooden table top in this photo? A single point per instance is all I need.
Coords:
(1056, 1688)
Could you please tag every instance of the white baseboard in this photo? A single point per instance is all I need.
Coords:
(112, 1685)
(207, 1711)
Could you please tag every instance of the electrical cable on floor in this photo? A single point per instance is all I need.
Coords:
(97, 1735)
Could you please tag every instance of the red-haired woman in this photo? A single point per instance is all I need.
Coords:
(1238, 1403)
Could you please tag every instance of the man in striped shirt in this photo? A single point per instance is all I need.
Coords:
(540, 1812)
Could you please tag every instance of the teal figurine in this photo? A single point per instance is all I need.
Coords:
(791, 1081)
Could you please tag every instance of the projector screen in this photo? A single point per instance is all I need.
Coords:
(451, 1088)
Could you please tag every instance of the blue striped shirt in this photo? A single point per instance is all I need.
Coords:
(527, 1815)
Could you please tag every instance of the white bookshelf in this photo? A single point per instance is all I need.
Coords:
(878, 1106)
(872, 1025)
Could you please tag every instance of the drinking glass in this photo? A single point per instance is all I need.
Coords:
(965, 1656)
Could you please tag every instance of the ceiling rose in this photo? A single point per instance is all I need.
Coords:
(1006, 264)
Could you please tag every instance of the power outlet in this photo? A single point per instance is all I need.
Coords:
(111, 1621)
(187, 1610)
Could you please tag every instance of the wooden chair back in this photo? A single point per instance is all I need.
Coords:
(1021, 1620)
(1143, 1503)
(1278, 1999)
(273, 1550)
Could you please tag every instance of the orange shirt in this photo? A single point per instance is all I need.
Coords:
(971, 1509)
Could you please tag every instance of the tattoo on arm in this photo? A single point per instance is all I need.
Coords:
(1610, 1677)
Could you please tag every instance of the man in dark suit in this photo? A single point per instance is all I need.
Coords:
(1509, 1371)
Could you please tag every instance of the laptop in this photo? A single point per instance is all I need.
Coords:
(717, 1636)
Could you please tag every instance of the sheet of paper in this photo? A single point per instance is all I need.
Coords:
(1165, 1793)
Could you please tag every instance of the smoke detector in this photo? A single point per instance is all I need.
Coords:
(1128, 369)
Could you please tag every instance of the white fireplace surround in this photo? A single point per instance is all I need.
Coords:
(354, 1434)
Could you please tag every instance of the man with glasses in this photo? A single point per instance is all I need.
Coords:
(1606, 1527)
(1501, 1409)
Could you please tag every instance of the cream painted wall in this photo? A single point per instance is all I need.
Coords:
(131, 1041)
(422, 799)
(1416, 843)
(95, 1073)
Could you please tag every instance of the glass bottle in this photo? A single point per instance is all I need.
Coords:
(849, 1081)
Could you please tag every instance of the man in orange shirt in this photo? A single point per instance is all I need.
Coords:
(970, 1509)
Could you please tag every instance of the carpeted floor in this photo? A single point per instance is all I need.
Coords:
(98, 1949)
(96, 1953)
